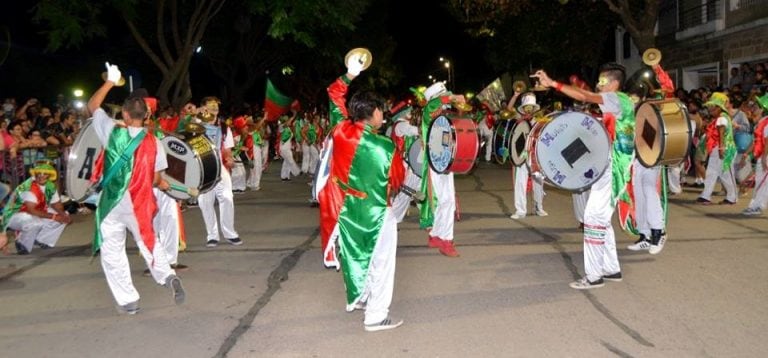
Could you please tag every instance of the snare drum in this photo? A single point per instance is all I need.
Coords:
(662, 132)
(500, 140)
(572, 150)
(80, 162)
(192, 162)
(452, 144)
(517, 142)
(415, 158)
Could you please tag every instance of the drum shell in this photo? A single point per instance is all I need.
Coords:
(415, 158)
(518, 139)
(662, 133)
(80, 162)
(452, 145)
(192, 162)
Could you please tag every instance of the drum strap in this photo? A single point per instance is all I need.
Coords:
(127, 154)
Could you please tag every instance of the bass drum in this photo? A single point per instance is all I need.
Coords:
(452, 145)
(518, 142)
(415, 158)
(572, 150)
(500, 140)
(662, 132)
(192, 162)
(81, 163)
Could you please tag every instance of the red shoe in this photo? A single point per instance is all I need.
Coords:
(434, 242)
(448, 249)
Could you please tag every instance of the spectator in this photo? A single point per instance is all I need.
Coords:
(735, 77)
(747, 77)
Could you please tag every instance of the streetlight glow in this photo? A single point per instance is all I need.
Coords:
(447, 65)
(78, 93)
(442, 59)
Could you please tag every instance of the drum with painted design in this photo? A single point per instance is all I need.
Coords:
(662, 132)
(80, 163)
(415, 158)
(452, 144)
(518, 142)
(193, 162)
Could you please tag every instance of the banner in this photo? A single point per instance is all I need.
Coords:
(275, 102)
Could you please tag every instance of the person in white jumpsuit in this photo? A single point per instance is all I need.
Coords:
(526, 110)
(760, 194)
(403, 128)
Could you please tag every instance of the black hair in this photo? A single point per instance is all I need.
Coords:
(136, 107)
(615, 71)
(363, 104)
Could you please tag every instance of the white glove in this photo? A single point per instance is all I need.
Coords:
(355, 64)
(113, 73)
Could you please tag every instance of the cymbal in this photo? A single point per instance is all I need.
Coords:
(366, 56)
(120, 82)
(539, 88)
(652, 56)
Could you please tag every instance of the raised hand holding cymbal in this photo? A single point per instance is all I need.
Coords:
(543, 78)
(113, 73)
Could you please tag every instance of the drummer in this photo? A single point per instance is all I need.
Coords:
(601, 261)
(521, 174)
(405, 134)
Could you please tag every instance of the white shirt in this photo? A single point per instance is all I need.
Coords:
(721, 121)
(610, 104)
(27, 196)
(405, 129)
(103, 124)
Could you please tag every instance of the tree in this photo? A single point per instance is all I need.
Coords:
(167, 31)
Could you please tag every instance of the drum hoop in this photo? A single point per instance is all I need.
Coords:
(662, 144)
(203, 188)
(453, 148)
(512, 134)
(503, 139)
(71, 168)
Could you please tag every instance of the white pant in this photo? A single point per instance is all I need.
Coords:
(402, 200)
(648, 212)
(289, 164)
(223, 193)
(309, 156)
(715, 171)
(314, 157)
(445, 210)
(254, 175)
(742, 168)
(486, 134)
(380, 282)
(600, 256)
(760, 195)
(238, 176)
(32, 228)
(114, 260)
(167, 225)
(673, 178)
(579, 204)
(521, 190)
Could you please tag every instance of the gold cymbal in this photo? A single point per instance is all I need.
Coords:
(120, 82)
(539, 88)
(366, 56)
(652, 56)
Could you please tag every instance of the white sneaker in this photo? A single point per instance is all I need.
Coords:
(585, 284)
(655, 249)
(517, 216)
(641, 244)
(541, 213)
(751, 212)
(387, 323)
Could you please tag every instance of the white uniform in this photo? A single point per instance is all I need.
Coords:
(114, 260)
(579, 204)
(286, 151)
(238, 171)
(445, 210)
(259, 158)
(222, 193)
(486, 135)
(674, 172)
(648, 211)
(521, 175)
(715, 171)
(32, 228)
(402, 200)
(167, 226)
(760, 194)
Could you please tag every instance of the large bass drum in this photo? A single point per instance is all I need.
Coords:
(415, 158)
(572, 150)
(81, 163)
(500, 140)
(662, 132)
(452, 144)
(517, 142)
(192, 162)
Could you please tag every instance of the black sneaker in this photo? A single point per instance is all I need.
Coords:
(130, 308)
(235, 241)
(616, 277)
(387, 323)
(703, 201)
(174, 283)
(179, 267)
(146, 273)
(20, 249)
(585, 284)
(212, 243)
(727, 202)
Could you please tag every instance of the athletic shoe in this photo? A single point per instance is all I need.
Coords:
(174, 283)
(146, 273)
(179, 267)
(434, 242)
(752, 212)
(387, 323)
(641, 244)
(658, 244)
(517, 216)
(585, 284)
(541, 213)
(238, 191)
(20, 249)
(235, 241)
(212, 243)
(615, 277)
(448, 249)
(727, 202)
(359, 306)
(703, 201)
(129, 308)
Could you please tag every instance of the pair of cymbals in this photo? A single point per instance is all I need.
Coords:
(652, 57)
(364, 56)
(120, 82)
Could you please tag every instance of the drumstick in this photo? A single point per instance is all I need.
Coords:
(193, 192)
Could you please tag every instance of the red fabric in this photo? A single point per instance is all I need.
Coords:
(152, 104)
(609, 120)
(759, 139)
(396, 175)
(713, 136)
(140, 189)
(399, 141)
(346, 138)
(169, 124)
(489, 121)
(98, 168)
(337, 92)
(666, 83)
(38, 193)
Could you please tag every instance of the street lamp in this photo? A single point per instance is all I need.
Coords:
(447, 64)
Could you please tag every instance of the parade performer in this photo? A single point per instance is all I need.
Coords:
(437, 213)
(355, 214)
(601, 261)
(131, 159)
(242, 154)
(260, 149)
(404, 134)
(521, 174)
(35, 211)
(286, 148)
(309, 135)
(223, 142)
(760, 194)
(485, 122)
(721, 149)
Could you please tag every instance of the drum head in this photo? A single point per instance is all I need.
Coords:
(192, 163)
(662, 132)
(517, 142)
(80, 163)
(441, 144)
(323, 169)
(415, 158)
(573, 151)
(501, 141)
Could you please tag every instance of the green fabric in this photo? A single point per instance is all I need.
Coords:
(730, 144)
(361, 219)
(286, 134)
(298, 125)
(623, 150)
(427, 210)
(312, 133)
(114, 186)
(257, 140)
(15, 203)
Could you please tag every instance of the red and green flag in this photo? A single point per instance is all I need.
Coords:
(275, 102)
